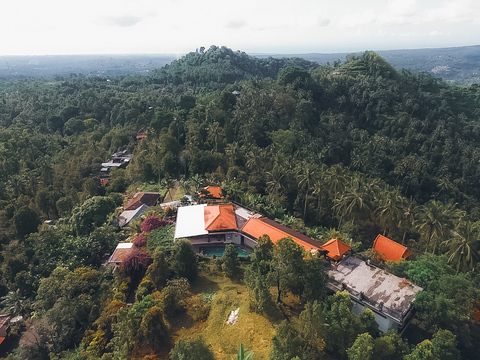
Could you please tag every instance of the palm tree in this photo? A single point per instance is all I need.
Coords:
(435, 223)
(407, 220)
(463, 245)
(14, 304)
(232, 151)
(306, 179)
(168, 183)
(389, 209)
(335, 178)
(275, 180)
(356, 200)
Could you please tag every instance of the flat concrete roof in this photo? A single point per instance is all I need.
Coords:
(375, 286)
(190, 221)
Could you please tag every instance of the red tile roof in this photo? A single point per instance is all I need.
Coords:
(336, 249)
(220, 218)
(2, 339)
(389, 249)
(147, 198)
(264, 226)
(213, 192)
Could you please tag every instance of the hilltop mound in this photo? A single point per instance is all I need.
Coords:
(221, 65)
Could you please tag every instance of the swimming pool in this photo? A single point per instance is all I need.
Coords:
(218, 251)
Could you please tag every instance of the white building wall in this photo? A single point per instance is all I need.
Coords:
(384, 323)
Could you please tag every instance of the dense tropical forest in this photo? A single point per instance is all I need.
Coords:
(346, 151)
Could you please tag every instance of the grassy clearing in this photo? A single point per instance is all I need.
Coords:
(255, 331)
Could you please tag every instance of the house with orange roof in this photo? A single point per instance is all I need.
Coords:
(212, 225)
(229, 223)
(390, 250)
(257, 227)
(388, 296)
(211, 192)
(336, 249)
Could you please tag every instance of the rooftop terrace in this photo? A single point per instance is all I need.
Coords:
(383, 292)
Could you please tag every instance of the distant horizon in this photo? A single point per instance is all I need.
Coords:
(178, 55)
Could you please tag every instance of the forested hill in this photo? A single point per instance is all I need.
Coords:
(347, 151)
(455, 64)
(219, 66)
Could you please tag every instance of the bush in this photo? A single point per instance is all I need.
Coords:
(192, 349)
(153, 222)
(137, 260)
(140, 241)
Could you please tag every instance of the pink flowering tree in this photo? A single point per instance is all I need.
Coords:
(153, 222)
(150, 223)
(136, 261)
(140, 241)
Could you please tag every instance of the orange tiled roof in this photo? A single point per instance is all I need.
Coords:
(389, 249)
(214, 192)
(336, 249)
(141, 198)
(219, 217)
(2, 339)
(264, 226)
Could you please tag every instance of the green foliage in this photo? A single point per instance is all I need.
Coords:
(241, 354)
(153, 329)
(362, 348)
(192, 349)
(172, 296)
(161, 239)
(287, 268)
(93, 212)
(423, 351)
(343, 325)
(286, 343)
(444, 345)
(427, 269)
(230, 261)
(312, 330)
(184, 260)
(26, 221)
(159, 271)
(390, 346)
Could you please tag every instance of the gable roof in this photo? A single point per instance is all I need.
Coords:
(129, 215)
(263, 226)
(219, 217)
(213, 191)
(389, 249)
(147, 198)
(336, 249)
(121, 251)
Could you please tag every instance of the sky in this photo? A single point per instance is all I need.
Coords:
(51, 27)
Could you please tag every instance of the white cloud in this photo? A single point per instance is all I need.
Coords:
(456, 11)
(402, 7)
(236, 24)
(125, 21)
(153, 26)
(355, 20)
(324, 21)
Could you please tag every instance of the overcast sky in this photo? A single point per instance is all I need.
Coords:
(30, 27)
